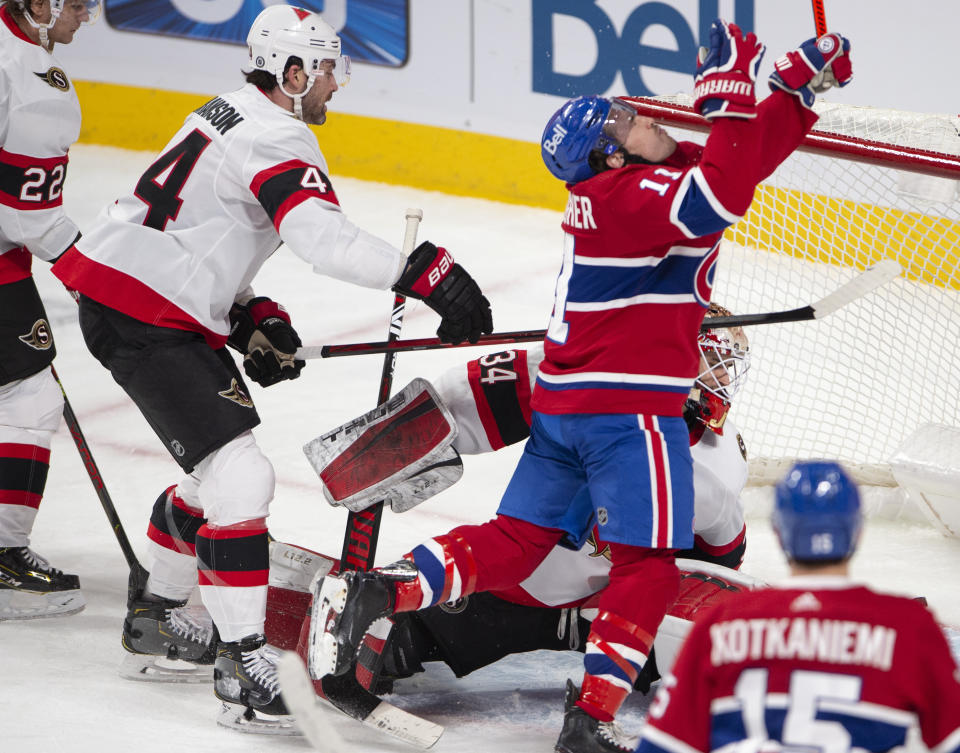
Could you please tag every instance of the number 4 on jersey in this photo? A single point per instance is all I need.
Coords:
(160, 185)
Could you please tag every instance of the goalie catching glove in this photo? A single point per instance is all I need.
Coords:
(261, 331)
(727, 73)
(432, 276)
(813, 67)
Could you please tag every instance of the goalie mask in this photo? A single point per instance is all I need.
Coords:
(92, 8)
(724, 362)
(282, 32)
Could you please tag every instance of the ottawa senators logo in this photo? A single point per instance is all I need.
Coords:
(237, 395)
(597, 551)
(39, 337)
(456, 606)
(55, 78)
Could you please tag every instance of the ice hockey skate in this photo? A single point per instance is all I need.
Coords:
(167, 641)
(245, 679)
(582, 733)
(344, 608)
(31, 588)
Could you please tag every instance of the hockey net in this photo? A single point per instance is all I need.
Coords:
(867, 184)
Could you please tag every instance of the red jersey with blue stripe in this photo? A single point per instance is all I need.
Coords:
(818, 664)
(640, 250)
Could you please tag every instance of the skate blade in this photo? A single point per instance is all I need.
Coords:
(147, 668)
(329, 599)
(23, 605)
(243, 719)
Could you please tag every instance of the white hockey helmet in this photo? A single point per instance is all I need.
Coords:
(284, 31)
(56, 8)
(724, 363)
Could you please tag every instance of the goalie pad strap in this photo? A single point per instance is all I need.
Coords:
(501, 387)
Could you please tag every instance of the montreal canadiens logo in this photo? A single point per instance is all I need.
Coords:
(706, 271)
(826, 45)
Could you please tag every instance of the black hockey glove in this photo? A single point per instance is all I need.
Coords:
(261, 330)
(432, 276)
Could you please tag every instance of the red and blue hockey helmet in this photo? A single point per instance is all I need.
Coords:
(579, 127)
(817, 513)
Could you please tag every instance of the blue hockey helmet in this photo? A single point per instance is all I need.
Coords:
(579, 127)
(817, 512)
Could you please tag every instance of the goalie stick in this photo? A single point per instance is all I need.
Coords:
(359, 549)
(311, 713)
(873, 277)
(363, 527)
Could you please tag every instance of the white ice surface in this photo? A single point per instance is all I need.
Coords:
(59, 688)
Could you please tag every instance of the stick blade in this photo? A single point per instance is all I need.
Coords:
(301, 700)
(870, 279)
(315, 716)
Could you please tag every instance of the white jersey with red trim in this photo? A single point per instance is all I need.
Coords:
(39, 121)
(490, 402)
(238, 179)
(817, 663)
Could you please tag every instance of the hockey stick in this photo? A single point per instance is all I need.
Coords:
(363, 528)
(819, 18)
(138, 574)
(880, 273)
(425, 343)
(359, 549)
(314, 719)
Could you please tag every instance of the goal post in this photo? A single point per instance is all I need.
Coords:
(866, 184)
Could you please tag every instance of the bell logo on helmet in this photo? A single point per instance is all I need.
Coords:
(553, 142)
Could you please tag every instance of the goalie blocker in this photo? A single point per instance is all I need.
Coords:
(400, 453)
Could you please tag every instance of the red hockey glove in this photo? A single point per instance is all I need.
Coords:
(261, 330)
(726, 74)
(432, 276)
(813, 67)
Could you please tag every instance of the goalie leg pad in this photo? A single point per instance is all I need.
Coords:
(400, 452)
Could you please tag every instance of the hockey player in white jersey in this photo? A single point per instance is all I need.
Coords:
(165, 277)
(39, 121)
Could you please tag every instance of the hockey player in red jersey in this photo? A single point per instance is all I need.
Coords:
(488, 400)
(817, 662)
(39, 121)
(607, 441)
(164, 278)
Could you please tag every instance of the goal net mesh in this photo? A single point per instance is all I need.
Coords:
(853, 385)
